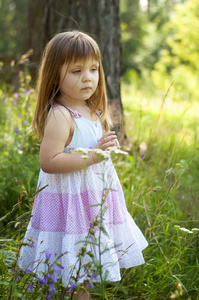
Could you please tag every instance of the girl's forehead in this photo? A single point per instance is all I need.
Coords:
(84, 62)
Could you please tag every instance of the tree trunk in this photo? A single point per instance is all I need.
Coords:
(100, 19)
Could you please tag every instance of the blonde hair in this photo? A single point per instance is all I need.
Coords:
(62, 49)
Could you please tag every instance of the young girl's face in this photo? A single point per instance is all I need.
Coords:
(79, 80)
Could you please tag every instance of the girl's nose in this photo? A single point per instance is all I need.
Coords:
(86, 77)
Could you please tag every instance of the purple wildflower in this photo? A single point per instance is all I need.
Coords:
(48, 254)
(168, 171)
(57, 268)
(48, 297)
(72, 286)
(15, 102)
(28, 92)
(91, 285)
(52, 277)
(18, 277)
(93, 276)
(27, 270)
(16, 130)
(6, 99)
(41, 280)
(51, 288)
(16, 95)
(30, 287)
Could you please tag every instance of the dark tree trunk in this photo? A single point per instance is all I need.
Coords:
(98, 18)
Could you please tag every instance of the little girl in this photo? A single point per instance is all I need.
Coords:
(71, 112)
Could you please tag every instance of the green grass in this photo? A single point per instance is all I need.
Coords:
(156, 199)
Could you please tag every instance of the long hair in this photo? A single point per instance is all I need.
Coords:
(62, 49)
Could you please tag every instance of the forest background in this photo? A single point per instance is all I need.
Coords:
(160, 79)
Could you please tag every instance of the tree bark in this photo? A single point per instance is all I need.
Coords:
(101, 20)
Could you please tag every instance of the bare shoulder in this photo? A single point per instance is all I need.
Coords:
(60, 114)
(58, 126)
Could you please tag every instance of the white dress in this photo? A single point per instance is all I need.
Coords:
(63, 211)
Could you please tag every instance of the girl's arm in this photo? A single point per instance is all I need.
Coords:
(56, 137)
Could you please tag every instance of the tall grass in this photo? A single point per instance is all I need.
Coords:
(160, 182)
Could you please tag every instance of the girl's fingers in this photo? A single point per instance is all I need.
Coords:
(108, 137)
(108, 144)
(107, 140)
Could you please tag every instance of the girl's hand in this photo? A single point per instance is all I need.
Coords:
(109, 139)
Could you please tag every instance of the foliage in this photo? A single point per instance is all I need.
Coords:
(13, 18)
(160, 184)
(19, 154)
(179, 63)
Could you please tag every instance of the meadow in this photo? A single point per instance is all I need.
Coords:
(159, 176)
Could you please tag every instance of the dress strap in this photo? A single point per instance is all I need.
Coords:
(75, 113)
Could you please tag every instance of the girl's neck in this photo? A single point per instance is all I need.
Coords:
(80, 105)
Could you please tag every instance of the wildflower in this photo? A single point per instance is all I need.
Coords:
(15, 102)
(27, 270)
(185, 230)
(41, 280)
(195, 229)
(106, 155)
(48, 254)
(28, 92)
(72, 286)
(18, 277)
(91, 285)
(48, 297)
(83, 150)
(16, 130)
(58, 268)
(52, 277)
(30, 287)
(93, 276)
(51, 288)
(6, 99)
(168, 171)
(16, 95)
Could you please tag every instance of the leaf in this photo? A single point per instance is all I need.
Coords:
(104, 210)
(17, 294)
(5, 283)
(104, 231)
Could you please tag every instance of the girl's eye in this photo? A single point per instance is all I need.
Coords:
(94, 69)
(76, 71)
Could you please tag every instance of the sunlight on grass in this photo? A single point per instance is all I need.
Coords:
(159, 177)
